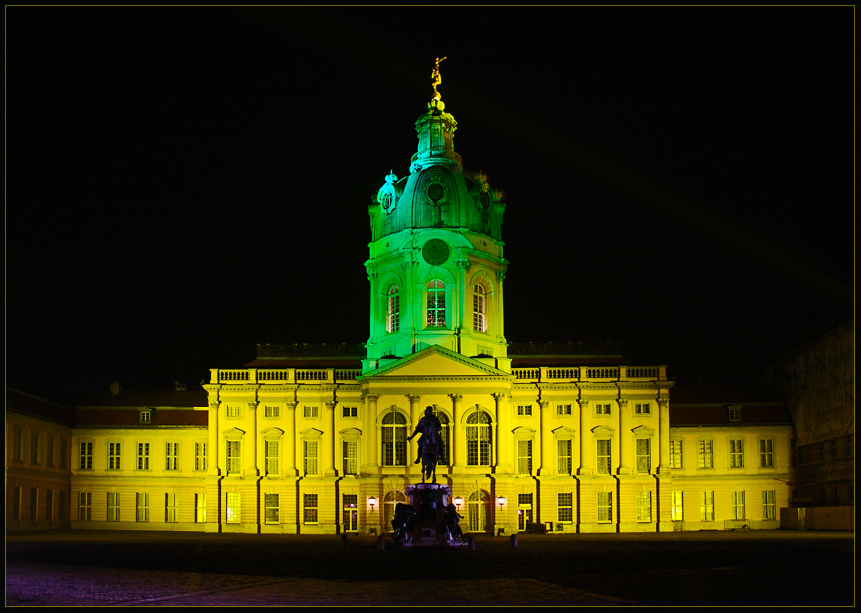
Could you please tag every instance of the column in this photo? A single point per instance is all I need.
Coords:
(585, 441)
(213, 461)
(624, 437)
(327, 442)
(255, 467)
(369, 448)
(503, 433)
(545, 439)
(458, 440)
(290, 441)
(663, 435)
(415, 416)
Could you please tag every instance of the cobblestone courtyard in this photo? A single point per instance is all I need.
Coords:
(697, 568)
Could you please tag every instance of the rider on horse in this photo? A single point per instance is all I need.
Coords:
(427, 427)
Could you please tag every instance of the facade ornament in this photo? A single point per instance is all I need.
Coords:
(387, 196)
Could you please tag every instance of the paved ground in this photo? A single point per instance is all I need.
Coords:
(756, 568)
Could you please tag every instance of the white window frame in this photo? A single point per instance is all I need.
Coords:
(479, 308)
(677, 453)
(171, 456)
(677, 505)
(85, 506)
(603, 409)
(142, 507)
(735, 447)
(271, 508)
(113, 506)
(705, 453)
(233, 508)
(565, 507)
(115, 455)
(393, 309)
(644, 506)
(736, 504)
(86, 455)
(707, 505)
(642, 409)
(143, 455)
(436, 304)
(605, 507)
(310, 508)
(766, 452)
(200, 459)
(171, 507)
(769, 508)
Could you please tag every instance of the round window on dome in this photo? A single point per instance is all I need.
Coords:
(435, 192)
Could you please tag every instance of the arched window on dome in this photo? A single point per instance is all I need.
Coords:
(478, 439)
(479, 308)
(394, 439)
(436, 304)
(393, 310)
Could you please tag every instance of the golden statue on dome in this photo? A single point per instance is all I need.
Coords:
(436, 78)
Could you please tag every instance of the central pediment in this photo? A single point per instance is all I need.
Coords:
(436, 361)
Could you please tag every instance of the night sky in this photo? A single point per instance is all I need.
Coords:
(184, 183)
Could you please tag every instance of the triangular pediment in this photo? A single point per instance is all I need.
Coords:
(436, 361)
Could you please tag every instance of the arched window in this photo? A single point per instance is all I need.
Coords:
(478, 439)
(390, 503)
(479, 308)
(436, 304)
(445, 433)
(394, 438)
(393, 309)
(477, 510)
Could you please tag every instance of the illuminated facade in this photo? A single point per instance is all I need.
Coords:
(568, 438)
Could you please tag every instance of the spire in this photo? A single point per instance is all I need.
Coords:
(436, 131)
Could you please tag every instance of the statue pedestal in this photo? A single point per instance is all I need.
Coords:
(429, 500)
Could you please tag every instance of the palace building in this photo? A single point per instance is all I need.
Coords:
(316, 439)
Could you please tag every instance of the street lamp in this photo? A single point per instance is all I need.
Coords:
(501, 502)
(458, 501)
(372, 500)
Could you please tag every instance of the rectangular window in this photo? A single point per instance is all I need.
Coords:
(271, 411)
(524, 410)
(311, 412)
(34, 503)
(678, 507)
(270, 508)
(644, 506)
(310, 457)
(61, 506)
(85, 506)
(234, 457)
(271, 452)
(49, 451)
(524, 457)
(309, 508)
(146, 417)
(734, 413)
(736, 453)
(17, 444)
(436, 304)
(707, 506)
(172, 456)
(34, 447)
(737, 505)
(114, 456)
(351, 457)
(113, 506)
(142, 504)
(170, 507)
(768, 508)
(563, 409)
(605, 507)
(565, 507)
(602, 409)
(351, 513)
(200, 508)
(234, 411)
(603, 456)
(644, 455)
(143, 456)
(563, 455)
(86, 456)
(349, 412)
(49, 505)
(676, 454)
(766, 453)
(705, 455)
(643, 408)
(233, 500)
(200, 456)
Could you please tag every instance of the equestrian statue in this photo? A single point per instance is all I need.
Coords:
(431, 447)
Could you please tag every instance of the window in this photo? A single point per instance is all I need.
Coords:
(390, 503)
(114, 456)
(311, 412)
(171, 456)
(233, 507)
(768, 508)
(677, 507)
(737, 505)
(707, 506)
(271, 450)
(351, 513)
(524, 410)
(18, 444)
(605, 507)
(563, 456)
(644, 455)
(271, 411)
(63, 449)
(478, 439)
(34, 502)
(146, 417)
(394, 439)
(351, 457)
(766, 453)
(563, 409)
(734, 413)
(603, 456)
(479, 305)
(49, 505)
(270, 508)
(143, 456)
(61, 506)
(49, 451)
(142, 505)
(436, 304)
(644, 506)
(234, 411)
(170, 507)
(309, 452)
(34, 446)
(642, 408)
(234, 457)
(393, 310)
(478, 507)
(524, 457)
(736, 453)
(200, 456)
(705, 454)
(309, 508)
(444, 434)
(565, 507)
(200, 508)
(86, 455)
(676, 454)
(85, 506)
(349, 412)
(602, 409)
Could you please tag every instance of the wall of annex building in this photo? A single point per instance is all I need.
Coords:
(37, 473)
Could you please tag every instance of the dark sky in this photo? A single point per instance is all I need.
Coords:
(184, 183)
